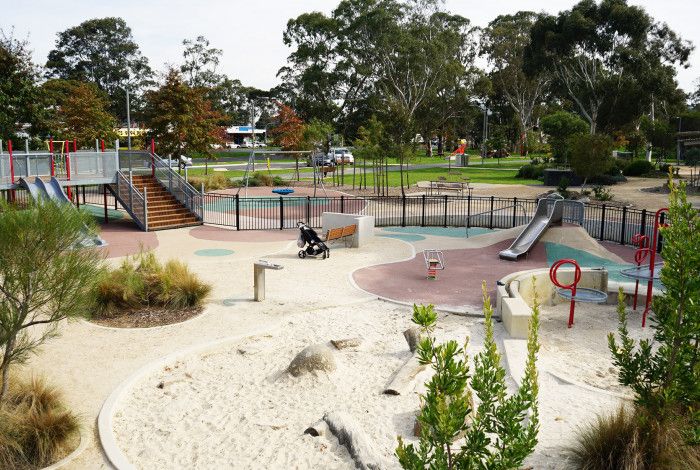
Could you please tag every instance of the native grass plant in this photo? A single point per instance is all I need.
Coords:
(141, 281)
(500, 431)
(44, 277)
(36, 428)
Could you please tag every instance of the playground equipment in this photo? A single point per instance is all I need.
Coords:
(549, 212)
(283, 191)
(434, 262)
(259, 269)
(571, 292)
(651, 271)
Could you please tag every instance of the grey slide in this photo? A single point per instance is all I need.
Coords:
(549, 212)
(54, 191)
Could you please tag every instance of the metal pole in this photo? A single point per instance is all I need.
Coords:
(128, 120)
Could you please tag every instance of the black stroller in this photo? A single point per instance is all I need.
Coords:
(310, 243)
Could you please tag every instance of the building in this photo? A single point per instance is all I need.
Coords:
(242, 134)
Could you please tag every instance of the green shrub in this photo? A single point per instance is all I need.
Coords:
(692, 156)
(563, 186)
(638, 168)
(211, 182)
(633, 440)
(590, 155)
(531, 171)
(142, 281)
(602, 193)
(36, 429)
(500, 431)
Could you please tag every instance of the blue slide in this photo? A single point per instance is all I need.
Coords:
(53, 191)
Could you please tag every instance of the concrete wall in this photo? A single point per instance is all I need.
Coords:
(365, 225)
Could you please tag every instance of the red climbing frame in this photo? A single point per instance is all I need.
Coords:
(642, 241)
(652, 259)
(571, 287)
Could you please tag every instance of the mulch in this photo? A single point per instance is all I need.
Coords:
(148, 317)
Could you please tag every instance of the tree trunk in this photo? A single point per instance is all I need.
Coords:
(441, 145)
(5, 366)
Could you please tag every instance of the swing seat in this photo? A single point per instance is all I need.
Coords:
(283, 191)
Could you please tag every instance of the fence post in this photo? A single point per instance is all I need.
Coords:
(444, 224)
(515, 207)
(308, 210)
(422, 213)
(469, 211)
(660, 245)
(403, 210)
(104, 193)
(282, 213)
(602, 224)
(342, 204)
(238, 212)
(643, 227)
(624, 225)
(145, 207)
(491, 215)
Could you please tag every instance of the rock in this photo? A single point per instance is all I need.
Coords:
(346, 343)
(359, 445)
(319, 428)
(404, 379)
(413, 337)
(317, 357)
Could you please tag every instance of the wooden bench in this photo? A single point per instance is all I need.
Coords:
(439, 186)
(341, 233)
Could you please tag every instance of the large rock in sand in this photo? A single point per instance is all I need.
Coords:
(317, 357)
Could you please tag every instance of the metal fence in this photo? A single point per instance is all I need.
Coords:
(603, 222)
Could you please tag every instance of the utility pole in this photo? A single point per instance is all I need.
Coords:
(128, 120)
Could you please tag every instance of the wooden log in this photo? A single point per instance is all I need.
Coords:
(404, 378)
(346, 343)
(349, 433)
(413, 337)
(319, 428)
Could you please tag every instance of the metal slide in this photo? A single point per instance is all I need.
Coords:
(53, 191)
(549, 212)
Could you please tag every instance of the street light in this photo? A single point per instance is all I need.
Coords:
(128, 119)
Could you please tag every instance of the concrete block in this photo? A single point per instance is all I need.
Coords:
(515, 315)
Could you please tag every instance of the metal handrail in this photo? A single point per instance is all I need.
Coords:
(178, 186)
(491, 211)
(132, 199)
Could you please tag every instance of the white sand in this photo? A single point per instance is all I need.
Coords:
(236, 407)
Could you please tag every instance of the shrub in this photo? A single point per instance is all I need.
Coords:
(638, 168)
(602, 193)
(142, 281)
(560, 126)
(211, 182)
(563, 186)
(692, 156)
(531, 171)
(36, 429)
(590, 155)
(498, 433)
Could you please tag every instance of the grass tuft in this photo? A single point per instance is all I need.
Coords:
(36, 429)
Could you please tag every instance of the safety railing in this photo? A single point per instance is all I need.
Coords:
(177, 186)
(134, 201)
(76, 166)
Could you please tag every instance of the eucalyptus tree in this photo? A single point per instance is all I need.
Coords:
(604, 54)
(503, 43)
(102, 51)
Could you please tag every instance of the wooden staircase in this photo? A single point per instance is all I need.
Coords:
(164, 210)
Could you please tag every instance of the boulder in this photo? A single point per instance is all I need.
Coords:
(317, 357)
(413, 337)
(346, 343)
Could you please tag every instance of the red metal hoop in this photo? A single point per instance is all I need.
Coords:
(572, 287)
(652, 260)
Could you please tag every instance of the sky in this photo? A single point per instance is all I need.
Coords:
(250, 32)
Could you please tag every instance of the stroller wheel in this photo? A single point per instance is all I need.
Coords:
(325, 255)
(302, 254)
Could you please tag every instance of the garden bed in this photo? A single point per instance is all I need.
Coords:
(147, 317)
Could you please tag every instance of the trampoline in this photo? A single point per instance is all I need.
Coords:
(283, 191)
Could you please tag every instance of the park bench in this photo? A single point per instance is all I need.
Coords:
(458, 186)
(341, 233)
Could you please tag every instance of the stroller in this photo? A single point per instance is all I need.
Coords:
(314, 245)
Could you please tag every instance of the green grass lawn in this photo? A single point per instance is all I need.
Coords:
(432, 174)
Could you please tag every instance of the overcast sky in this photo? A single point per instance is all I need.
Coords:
(250, 32)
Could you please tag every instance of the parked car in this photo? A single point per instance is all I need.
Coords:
(321, 160)
(342, 156)
(232, 145)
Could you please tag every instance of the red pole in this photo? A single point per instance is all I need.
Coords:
(53, 168)
(75, 145)
(572, 287)
(153, 160)
(652, 258)
(68, 190)
(102, 144)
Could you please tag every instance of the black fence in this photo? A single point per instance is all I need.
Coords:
(603, 222)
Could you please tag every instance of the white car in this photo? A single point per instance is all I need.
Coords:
(342, 155)
(232, 145)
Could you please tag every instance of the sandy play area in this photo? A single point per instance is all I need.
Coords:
(221, 398)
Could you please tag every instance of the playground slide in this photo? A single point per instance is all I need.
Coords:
(54, 191)
(543, 219)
